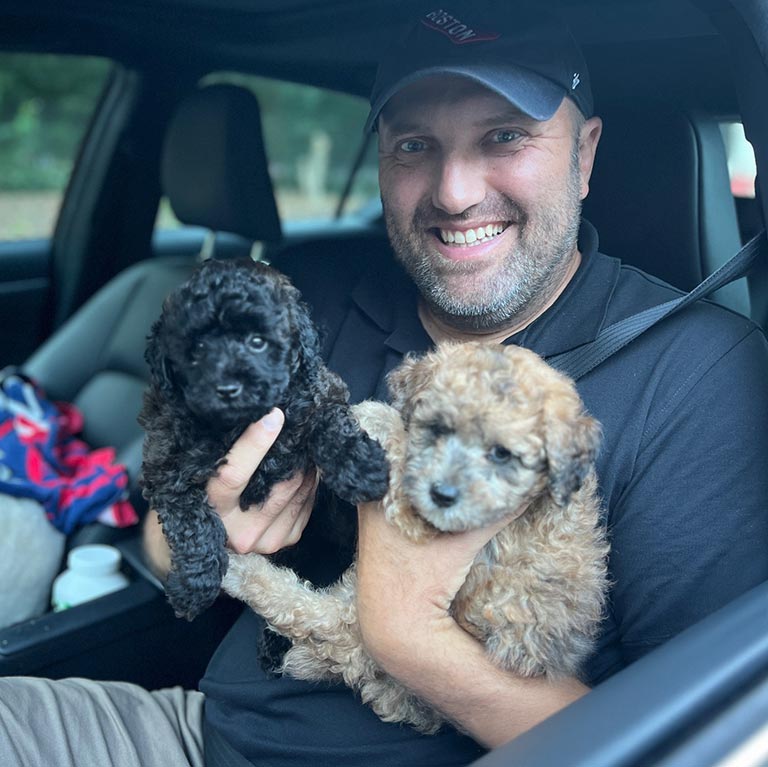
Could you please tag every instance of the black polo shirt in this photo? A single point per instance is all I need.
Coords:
(684, 411)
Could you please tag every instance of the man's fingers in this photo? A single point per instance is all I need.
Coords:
(298, 526)
(279, 521)
(305, 495)
(242, 460)
(302, 514)
(283, 495)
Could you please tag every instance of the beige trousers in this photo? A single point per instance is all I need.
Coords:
(82, 723)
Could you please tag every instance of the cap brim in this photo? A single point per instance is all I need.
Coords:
(531, 93)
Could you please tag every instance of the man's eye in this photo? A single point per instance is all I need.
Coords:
(412, 145)
(506, 136)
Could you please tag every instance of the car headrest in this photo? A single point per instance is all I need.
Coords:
(214, 167)
(661, 200)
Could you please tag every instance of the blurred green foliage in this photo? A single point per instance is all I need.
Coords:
(46, 102)
(45, 105)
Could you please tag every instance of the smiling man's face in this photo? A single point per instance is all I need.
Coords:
(482, 203)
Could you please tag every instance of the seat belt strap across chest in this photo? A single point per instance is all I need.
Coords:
(578, 362)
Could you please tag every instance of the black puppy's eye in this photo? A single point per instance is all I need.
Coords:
(256, 343)
(499, 454)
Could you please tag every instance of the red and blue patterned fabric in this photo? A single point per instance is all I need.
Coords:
(41, 458)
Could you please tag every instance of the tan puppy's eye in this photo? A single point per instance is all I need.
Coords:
(499, 454)
(439, 429)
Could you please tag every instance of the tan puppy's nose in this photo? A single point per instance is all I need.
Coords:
(444, 494)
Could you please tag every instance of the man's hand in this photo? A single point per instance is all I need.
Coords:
(280, 520)
(404, 593)
(420, 579)
(263, 529)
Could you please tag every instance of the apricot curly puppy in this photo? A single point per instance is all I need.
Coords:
(476, 433)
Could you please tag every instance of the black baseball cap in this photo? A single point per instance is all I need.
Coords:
(524, 54)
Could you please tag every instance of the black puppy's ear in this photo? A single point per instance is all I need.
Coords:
(160, 368)
(303, 327)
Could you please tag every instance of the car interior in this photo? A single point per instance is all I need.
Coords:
(77, 306)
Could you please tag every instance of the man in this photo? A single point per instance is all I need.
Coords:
(486, 145)
(487, 140)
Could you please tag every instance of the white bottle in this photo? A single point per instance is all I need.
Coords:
(92, 571)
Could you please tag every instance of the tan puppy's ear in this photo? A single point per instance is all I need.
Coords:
(408, 381)
(572, 439)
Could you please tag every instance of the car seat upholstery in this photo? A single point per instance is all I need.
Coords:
(661, 200)
(214, 167)
(214, 172)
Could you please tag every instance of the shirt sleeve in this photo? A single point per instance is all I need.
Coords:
(689, 532)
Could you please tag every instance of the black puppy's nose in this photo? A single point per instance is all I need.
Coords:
(229, 391)
(444, 494)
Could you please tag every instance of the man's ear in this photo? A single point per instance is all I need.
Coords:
(589, 138)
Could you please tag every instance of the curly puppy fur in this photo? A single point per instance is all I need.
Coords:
(233, 342)
(477, 433)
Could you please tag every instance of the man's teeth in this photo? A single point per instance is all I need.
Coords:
(471, 236)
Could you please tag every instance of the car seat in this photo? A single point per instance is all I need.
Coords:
(661, 199)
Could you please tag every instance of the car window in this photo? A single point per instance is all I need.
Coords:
(46, 102)
(312, 137)
(741, 160)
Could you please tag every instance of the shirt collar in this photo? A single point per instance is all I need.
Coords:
(390, 299)
(387, 295)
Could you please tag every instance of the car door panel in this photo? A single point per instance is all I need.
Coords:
(24, 298)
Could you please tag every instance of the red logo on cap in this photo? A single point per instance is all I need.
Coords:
(454, 29)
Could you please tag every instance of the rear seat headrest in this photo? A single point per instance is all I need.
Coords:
(214, 167)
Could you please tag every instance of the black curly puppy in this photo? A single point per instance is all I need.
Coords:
(233, 342)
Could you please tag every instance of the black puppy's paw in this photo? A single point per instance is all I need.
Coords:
(190, 595)
(361, 474)
(199, 559)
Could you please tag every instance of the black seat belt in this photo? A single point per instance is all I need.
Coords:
(578, 362)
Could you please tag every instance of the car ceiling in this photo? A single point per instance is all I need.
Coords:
(642, 47)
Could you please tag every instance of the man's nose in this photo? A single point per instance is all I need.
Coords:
(459, 185)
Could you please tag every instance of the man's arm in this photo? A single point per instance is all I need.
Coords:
(263, 529)
(404, 593)
(156, 549)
